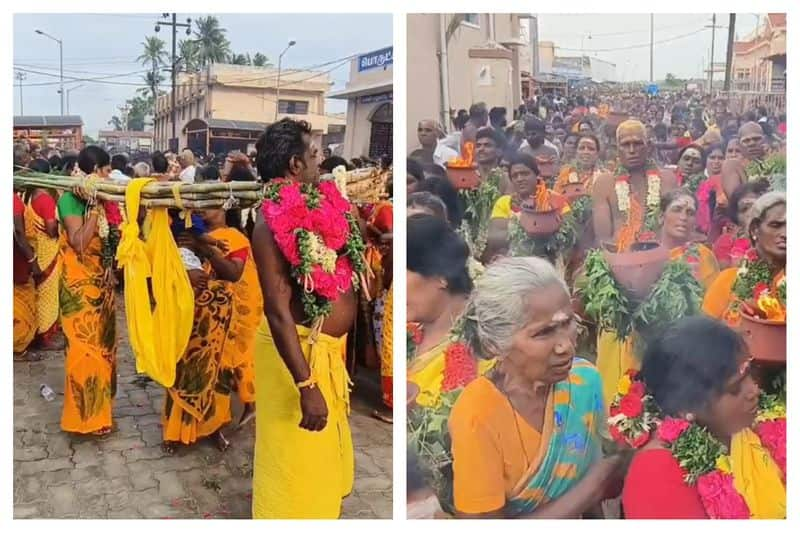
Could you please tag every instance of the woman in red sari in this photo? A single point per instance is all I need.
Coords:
(698, 374)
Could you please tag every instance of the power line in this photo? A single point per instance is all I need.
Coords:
(631, 47)
(41, 67)
(101, 79)
(338, 63)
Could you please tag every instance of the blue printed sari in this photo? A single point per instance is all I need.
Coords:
(571, 440)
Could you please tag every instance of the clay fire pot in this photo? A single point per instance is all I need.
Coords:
(539, 223)
(463, 177)
(573, 191)
(639, 269)
(766, 339)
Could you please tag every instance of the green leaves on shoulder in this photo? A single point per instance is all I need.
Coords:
(675, 295)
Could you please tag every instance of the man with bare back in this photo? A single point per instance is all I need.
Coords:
(626, 203)
(626, 209)
(304, 451)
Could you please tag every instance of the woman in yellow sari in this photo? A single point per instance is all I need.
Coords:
(41, 227)
(24, 291)
(766, 229)
(88, 314)
(438, 285)
(236, 265)
(526, 436)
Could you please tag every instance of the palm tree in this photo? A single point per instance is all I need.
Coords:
(116, 123)
(155, 55)
(189, 51)
(260, 60)
(239, 59)
(213, 46)
(153, 80)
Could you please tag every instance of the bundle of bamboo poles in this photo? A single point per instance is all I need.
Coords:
(154, 194)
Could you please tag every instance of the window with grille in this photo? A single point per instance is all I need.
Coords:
(293, 107)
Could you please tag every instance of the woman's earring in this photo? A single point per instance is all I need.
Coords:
(689, 417)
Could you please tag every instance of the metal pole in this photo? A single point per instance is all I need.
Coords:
(713, 36)
(729, 59)
(535, 45)
(61, 69)
(174, 76)
(651, 48)
(21, 77)
(278, 88)
(444, 73)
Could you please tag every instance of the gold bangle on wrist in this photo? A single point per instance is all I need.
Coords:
(309, 383)
(32, 259)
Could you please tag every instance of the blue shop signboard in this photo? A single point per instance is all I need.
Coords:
(378, 59)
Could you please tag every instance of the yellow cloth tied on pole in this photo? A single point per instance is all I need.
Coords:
(157, 354)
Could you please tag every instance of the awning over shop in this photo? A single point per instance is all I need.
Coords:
(364, 90)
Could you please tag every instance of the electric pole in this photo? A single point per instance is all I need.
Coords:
(729, 58)
(651, 48)
(174, 24)
(713, 35)
(21, 77)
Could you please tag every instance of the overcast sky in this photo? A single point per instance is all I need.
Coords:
(98, 45)
(684, 57)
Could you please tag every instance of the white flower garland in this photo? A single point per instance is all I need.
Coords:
(623, 190)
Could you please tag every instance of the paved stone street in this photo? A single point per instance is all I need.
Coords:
(126, 474)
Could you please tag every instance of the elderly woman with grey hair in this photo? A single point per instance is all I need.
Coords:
(141, 170)
(526, 436)
(766, 229)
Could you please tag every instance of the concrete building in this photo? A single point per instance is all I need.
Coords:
(759, 61)
(60, 132)
(226, 107)
(457, 59)
(126, 141)
(369, 94)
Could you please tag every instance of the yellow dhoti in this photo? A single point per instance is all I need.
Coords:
(300, 473)
(614, 358)
(24, 315)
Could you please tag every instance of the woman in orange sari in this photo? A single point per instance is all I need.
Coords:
(679, 212)
(88, 315)
(584, 169)
(767, 231)
(197, 406)
(237, 266)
